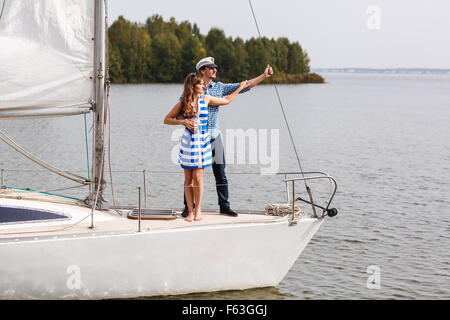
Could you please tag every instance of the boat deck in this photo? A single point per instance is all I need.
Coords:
(78, 219)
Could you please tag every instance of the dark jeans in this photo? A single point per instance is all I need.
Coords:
(218, 166)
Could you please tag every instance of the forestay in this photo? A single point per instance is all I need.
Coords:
(46, 57)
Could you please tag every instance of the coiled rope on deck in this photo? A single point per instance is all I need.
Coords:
(285, 209)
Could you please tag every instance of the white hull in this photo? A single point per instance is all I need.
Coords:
(166, 261)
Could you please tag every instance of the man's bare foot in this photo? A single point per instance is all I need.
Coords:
(190, 217)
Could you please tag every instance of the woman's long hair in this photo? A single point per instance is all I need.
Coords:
(189, 94)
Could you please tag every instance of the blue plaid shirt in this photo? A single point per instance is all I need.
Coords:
(220, 90)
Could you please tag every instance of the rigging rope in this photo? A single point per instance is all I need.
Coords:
(109, 149)
(3, 7)
(42, 163)
(100, 178)
(87, 153)
(279, 98)
(108, 110)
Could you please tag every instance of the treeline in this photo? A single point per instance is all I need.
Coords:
(160, 51)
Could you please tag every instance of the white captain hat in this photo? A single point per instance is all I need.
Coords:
(206, 62)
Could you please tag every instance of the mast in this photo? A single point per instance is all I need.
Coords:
(99, 101)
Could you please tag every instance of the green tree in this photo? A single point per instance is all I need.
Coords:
(196, 31)
(306, 62)
(156, 25)
(281, 63)
(115, 64)
(297, 63)
(131, 50)
(256, 56)
(166, 51)
(240, 66)
(221, 48)
(143, 50)
(183, 31)
(269, 50)
(167, 54)
(119, 38)
(192, 51)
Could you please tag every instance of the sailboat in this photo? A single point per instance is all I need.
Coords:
(53, 63)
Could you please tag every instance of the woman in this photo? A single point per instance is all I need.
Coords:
(195, 148)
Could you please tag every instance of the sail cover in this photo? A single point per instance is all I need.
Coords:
(46, 55)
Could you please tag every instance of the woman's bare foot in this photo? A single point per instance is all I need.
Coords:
(190, 217)
(198, 216)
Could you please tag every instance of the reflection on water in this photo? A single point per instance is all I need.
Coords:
(268, 293)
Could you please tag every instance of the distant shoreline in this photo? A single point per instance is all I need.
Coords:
(282, 78)
(383, 71)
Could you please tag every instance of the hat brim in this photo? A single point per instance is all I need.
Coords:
(212, 66)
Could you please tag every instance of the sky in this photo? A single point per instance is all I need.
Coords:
(335, 33)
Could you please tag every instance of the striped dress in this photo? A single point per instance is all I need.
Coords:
(195, 147)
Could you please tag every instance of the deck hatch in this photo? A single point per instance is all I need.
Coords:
(10, 215)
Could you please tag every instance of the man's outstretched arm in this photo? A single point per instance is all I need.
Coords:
(230, 87)
(255, 81)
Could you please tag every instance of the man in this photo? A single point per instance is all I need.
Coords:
(208, 70)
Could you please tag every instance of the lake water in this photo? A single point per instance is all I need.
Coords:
(384, 138)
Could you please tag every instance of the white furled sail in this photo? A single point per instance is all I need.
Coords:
(46, 57)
